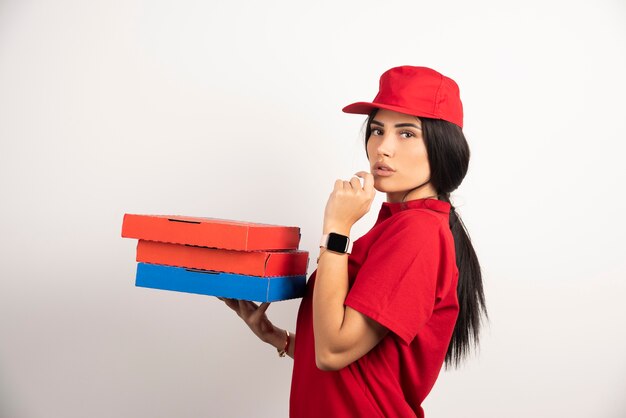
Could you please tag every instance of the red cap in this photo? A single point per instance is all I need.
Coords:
(417, 91)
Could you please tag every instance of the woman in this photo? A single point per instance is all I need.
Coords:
(377, 323)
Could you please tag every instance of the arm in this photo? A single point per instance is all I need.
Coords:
(342, 334)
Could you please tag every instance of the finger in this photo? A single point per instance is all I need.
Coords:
(232, 304)
(356, 183)
(263, 307)
(242, 309)
(247, 306)
(260, 311)
(368, 180)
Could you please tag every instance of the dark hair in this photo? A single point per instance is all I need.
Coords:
(448, 157)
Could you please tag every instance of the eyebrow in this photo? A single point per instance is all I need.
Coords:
(397, 125)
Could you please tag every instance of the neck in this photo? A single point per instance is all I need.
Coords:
(422, 191)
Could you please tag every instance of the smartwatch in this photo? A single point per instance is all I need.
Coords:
(337, 243)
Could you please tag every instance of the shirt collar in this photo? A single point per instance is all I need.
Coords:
(390, 208)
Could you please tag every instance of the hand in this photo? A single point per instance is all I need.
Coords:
(253, 315)
(348, 202)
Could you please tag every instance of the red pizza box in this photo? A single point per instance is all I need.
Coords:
(211, 232)
(252, 263)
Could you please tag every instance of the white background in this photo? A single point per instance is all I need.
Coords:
(233, 110)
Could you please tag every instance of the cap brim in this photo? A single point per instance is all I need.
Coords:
(364, 108)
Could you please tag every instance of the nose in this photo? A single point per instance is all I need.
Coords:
(385, 146)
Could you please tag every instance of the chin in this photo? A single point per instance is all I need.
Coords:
(383, 185)
(377, 185)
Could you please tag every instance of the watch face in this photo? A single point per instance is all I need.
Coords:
(337, 242)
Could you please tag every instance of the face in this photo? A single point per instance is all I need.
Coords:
(396, 140)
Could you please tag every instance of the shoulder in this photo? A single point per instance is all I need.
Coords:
(415, 221)
(410, 231)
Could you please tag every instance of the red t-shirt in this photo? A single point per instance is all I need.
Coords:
(403, 274)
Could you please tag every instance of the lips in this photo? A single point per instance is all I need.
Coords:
(383, 166)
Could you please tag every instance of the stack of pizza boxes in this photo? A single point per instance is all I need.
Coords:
(218, 257)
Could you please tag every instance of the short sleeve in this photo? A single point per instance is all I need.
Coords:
(397, 282)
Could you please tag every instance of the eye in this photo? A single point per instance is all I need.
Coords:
(408, 133)
(376, 131)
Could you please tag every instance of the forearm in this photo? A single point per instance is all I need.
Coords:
(278, 338)
(329, 295)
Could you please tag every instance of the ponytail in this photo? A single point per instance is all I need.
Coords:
(469, 292)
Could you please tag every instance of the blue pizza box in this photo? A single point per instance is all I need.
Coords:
(217, 283)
